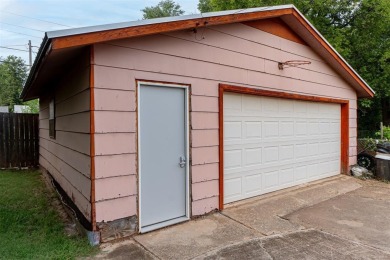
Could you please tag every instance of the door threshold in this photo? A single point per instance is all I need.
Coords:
(163, 224)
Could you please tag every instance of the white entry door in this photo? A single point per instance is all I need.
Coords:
(163, 155)
(274, 143)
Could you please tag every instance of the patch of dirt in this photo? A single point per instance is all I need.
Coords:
(70, 227)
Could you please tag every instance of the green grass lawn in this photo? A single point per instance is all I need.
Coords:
(29, 227)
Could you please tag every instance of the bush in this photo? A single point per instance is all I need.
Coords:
(386, 133)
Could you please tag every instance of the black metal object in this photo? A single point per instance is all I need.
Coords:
(383, 148)
(366, 160)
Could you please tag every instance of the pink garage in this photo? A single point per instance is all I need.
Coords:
(149, 123)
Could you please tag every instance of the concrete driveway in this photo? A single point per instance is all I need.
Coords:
(336, 218)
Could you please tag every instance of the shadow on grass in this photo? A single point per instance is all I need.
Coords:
(30, 227)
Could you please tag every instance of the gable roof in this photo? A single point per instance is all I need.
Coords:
(70, 40)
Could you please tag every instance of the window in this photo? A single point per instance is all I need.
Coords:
(52, 120)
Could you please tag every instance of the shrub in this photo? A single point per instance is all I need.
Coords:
(386, 133)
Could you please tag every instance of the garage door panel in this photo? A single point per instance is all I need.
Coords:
(270, 105)
(286, 128)
(253, 156)
(253, 183)
(271, 154)
(233, 159)
(271, 179)
(297, 152)
(286, 176)
(232, 104)
(271, 129)
(239, 167)
(300, 173)
(313, 149)
(233, 130)
(286, 152)
(278, 141)
(273, 143)
(252, 129)
(252, 105)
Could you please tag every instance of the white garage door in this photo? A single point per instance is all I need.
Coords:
(274, 143)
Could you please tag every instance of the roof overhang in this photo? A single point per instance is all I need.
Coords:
(59, 47)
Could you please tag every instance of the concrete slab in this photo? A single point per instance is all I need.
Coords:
(314, 244)
(362, 215)
(353, 215)
(266, 214)
(127, 249)
(247, 250)
(196, 237)
(308, 244)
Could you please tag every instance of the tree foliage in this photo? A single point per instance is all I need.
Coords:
(13, 73)
(164, 8)
(32, 106)
(358, 29)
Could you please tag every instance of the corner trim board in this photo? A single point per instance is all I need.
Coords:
(92, 135)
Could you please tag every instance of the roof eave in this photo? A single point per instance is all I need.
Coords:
(43, 51)
(194, 21)
(95, 34)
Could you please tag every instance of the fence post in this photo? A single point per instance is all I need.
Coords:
(381, 130)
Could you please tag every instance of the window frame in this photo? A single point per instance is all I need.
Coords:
(52, 119)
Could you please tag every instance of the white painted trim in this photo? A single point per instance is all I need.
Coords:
(186, 101)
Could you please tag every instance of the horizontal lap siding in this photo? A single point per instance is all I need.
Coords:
(67, 156)
(145, 61)
(115, 146)
(234, 54)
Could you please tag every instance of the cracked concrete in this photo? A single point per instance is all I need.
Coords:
(307, 244)
(361, 215)
(337, 218)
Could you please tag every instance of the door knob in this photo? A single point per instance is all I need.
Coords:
(182, 162)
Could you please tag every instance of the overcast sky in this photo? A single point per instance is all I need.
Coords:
(23, 20)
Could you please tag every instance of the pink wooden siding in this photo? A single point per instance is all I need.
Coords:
(115, 145)
(67, 156)
(235, 54)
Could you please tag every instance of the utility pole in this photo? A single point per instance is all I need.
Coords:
(30, 53)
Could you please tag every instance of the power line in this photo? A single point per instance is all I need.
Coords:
(37, 19)
(22, 27)
(24, 45)
(20, 33)
(3, 47)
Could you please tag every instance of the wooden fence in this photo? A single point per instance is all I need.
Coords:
(19, 140)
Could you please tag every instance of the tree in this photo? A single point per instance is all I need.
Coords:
(358, 29)
(205, 6)
(330, 17)
(369, 54)
(164, 8)
(13, 73)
